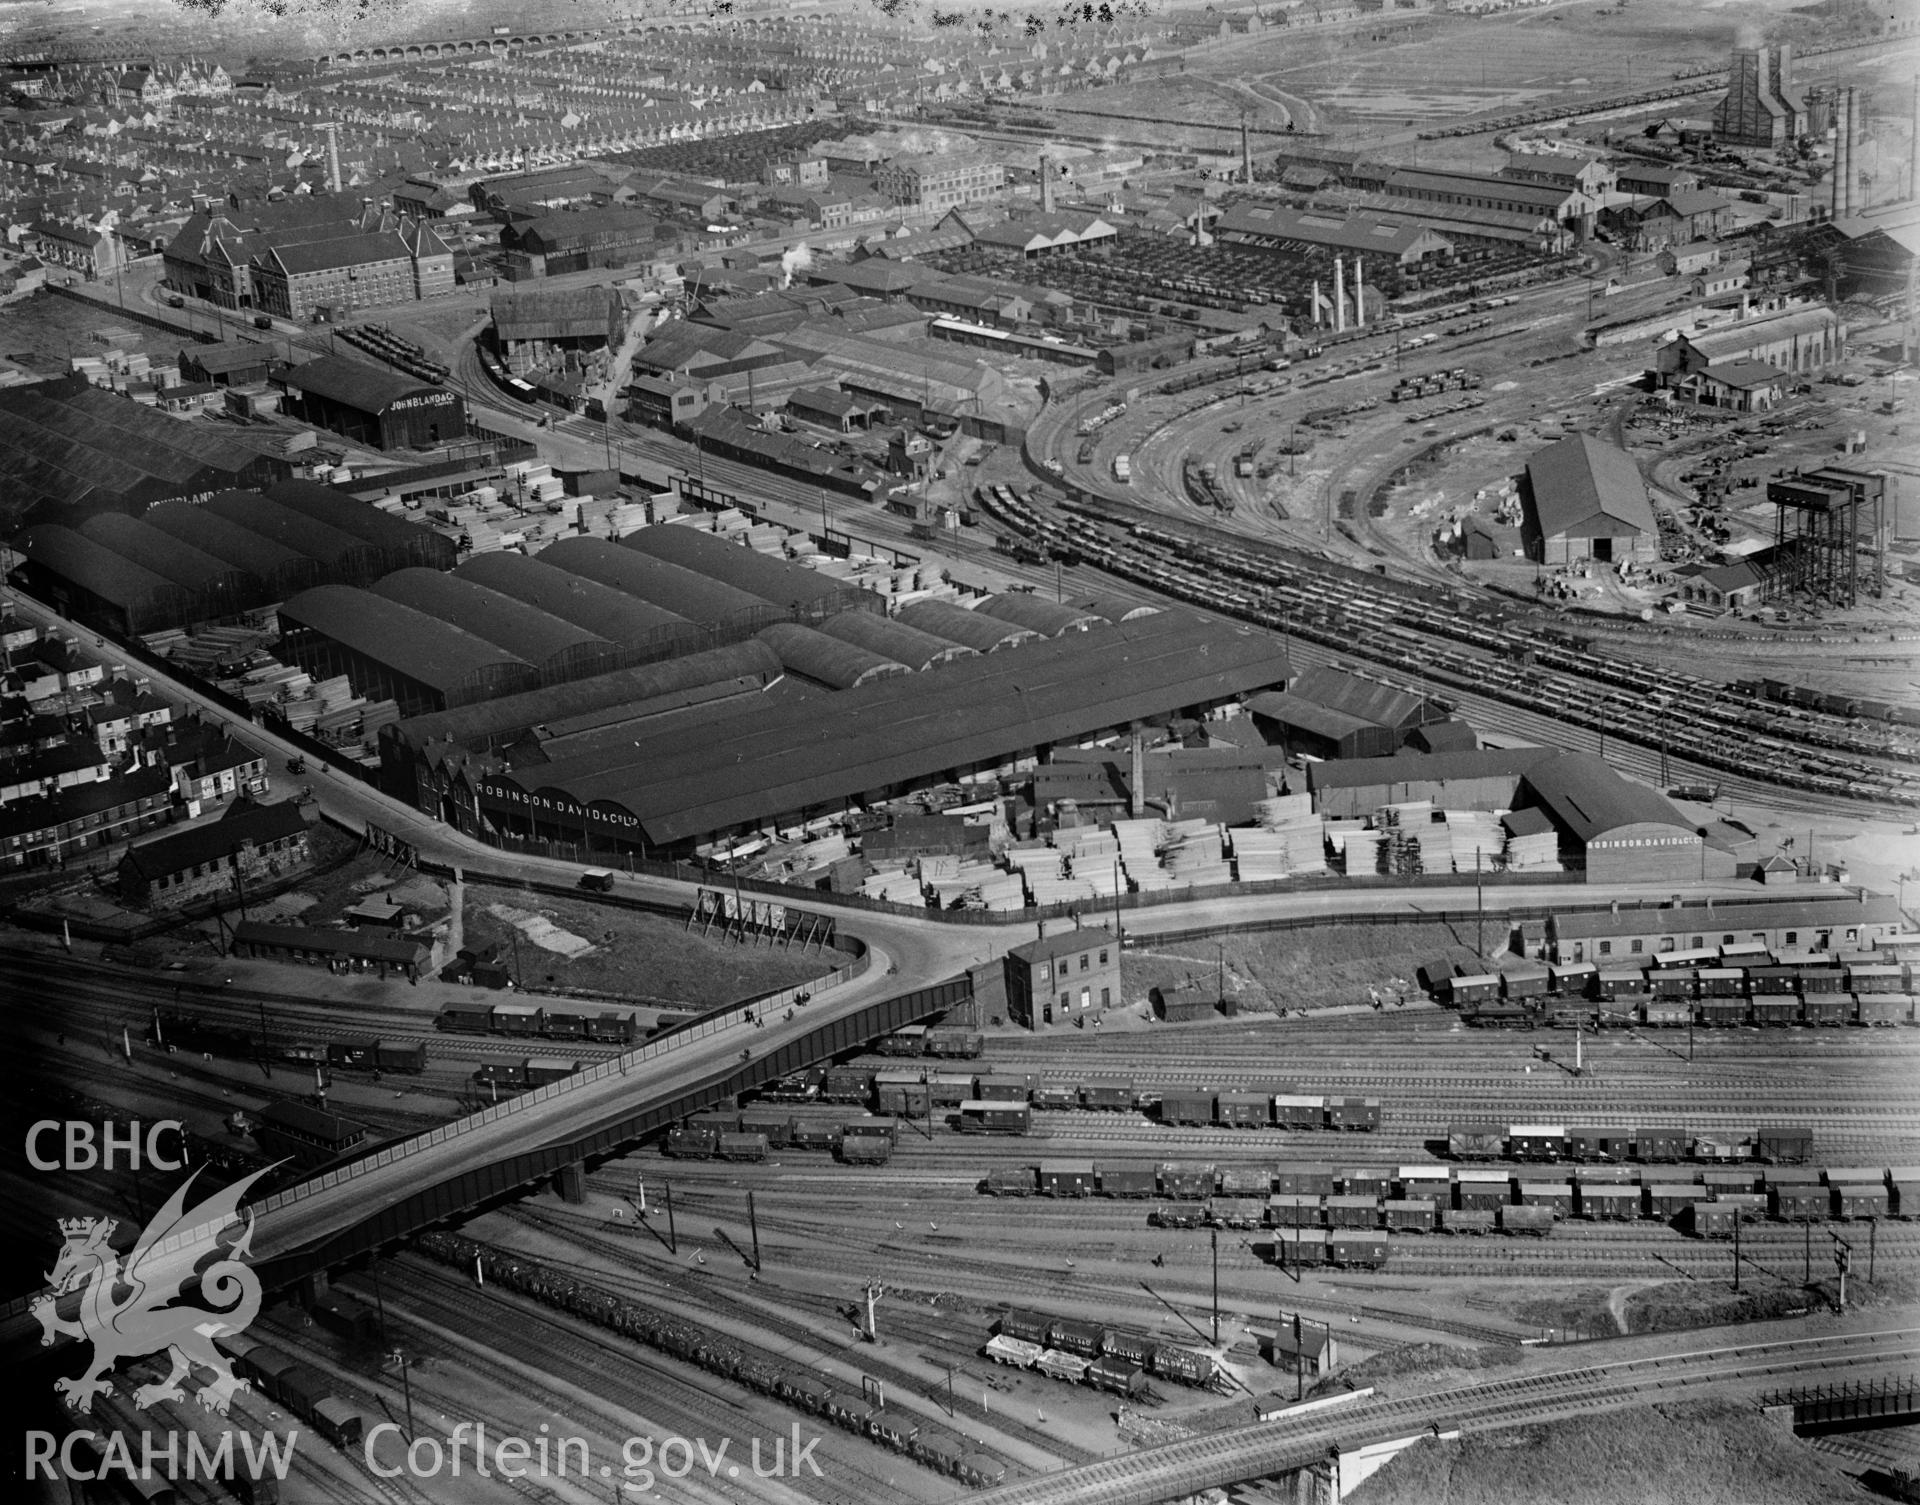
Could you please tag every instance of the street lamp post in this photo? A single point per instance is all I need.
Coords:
(406, 1388)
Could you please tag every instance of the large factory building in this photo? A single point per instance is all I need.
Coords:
(1585, 499)
(371, 405)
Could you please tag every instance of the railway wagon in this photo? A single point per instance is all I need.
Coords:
(1241, 1110)
(1291, 1210)
(1535, 1221)
(1365, 1181)
(742, 1146)
(1773, 982)
(1244, 1180)
(1482, 1191)
(1470, 991)
(1820, 981)
(1881, 1010)
(692, 1142)
(1555, 1196)
(1723, 1013)
(847, 1084)
(1607, 1175)
(1904, 1182)
(1870, 979)
(1722, 983)
(1354, 1115)
(340, 1313)
(1609, 1204)
(1115, 1095)
(1071, 1335)
(1666, 1013)
(1526, 983)
(1003, 1088)
(1723, 1148)
(1294, 1111)
(1178, 1215)
(821, 1134)
(774, 1125)
(1300, 1246)
(877, 1128)
(1859, 1200)
(1304, 1180)
(1711, 1219)
(1352, 1212)
(949, 1089)
(1721, 1182)
(1782, 1145)
(1182, 1365)
(1025, 1326)
(1128, 1347)
(1131, 1182)
(1014, 1182)
(1800, 1204)
(1471, 1221)
(1237, 1212)
(1537, 1141)
(901, 1093)
(1829, 1011)
(1353, 1249)
(1056, 1095)
(1680, 983)
(1409, 1217)
(1424, 1183)
(1654, 1144)
(866, 1149)
(1476, 1141)
(950, 1044)
(995, 1118)
(1015, 1351)
(1594, 1144)
(1774, 1010)
(1748, 1204)
(1063, 1366)
(1066, 1178)
(1190, 1109)
(911, 1041)
(1118, 1377)
(1620, 985)
(1187, 1182)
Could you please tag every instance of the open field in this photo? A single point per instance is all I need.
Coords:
(642, 956)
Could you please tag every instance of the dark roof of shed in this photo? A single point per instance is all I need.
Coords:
(1115, 608)
(169, 557)
(1406, 768)
(410, 642)
(358, 519)
(356, 383)
(1049, 618)
(1583, 488)
(1307, 715)
(776, 580)
(354, 943)
(510, 715)
(894, 640)
(235, 355)
(1367, 699)
(96, 569)
(225, 539)
(292, 530)
(548, 314)
(1805, 913)
(687, 593)
(831, 661)
(957, 624)
(900, 728)
(521, 630)
(616, 615)
(1585, 795)
(213, 841)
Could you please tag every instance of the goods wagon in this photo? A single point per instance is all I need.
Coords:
(1128, 1181)
(995, 1118)
(1537, 1221)
(1410, 1217)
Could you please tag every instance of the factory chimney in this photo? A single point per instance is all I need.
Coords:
(1139, 804)
(1339, 296)
(1359, 300)
(1913, 145)
(1046, 184)
(333, 156)
(1316, 303)
(1246, 152)
(1839, 153)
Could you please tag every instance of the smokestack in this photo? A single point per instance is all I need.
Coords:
(1359, 289)
(1246, 151)
(333, 157)
(1848, 190)
(1339, 296)
(1839, 152)
(1046, 184)
(1913, 145)
(1139, 805)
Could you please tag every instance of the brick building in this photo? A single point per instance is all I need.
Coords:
(251, 843)
(1063, 978)
(936, 181)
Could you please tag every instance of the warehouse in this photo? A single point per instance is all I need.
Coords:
(1799, 340)
(802, 760)
(1621, 832)
(643, 631)
(811, 595)
(216, 588)
(700, 599)
(531, 326)
(832, 663)
(342, 558)
(1036, 614)
(895, 640)
(582, 238)
(558, 650)
(372, 405)
(280, 570)
(391, 652)
(250, 843)
(1488, 779)
(68, 450)
(349, 950)
(90, 583)
(1851, 923)
(401, 543)
(1275, 227)
(970, 629)
(1570, 206)
(1585, 499)
(1114, 608)
(233, 364)
(1329, 713)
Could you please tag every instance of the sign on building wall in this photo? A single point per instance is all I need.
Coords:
(389, 845)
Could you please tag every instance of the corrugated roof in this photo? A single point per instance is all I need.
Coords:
(279, 568)
(831, 661)
(355, 383)
(902, 729)
(1048, 618)
(170, 558)
(1734, 340)
(1741, 919)
(215, 841)
(565, 313)
(341, 556)
(1307, 715)
(504, 719)
(340, 251)
(776, 580)
(615, 615)
(553, 645)
(409, 642)
(1408, 768)
(1367, 699)
(145, 597)
(1115, 608)
(1583, 488)
(699, 598)
(958, 625)
(403, 542)
(1586, 796)
(893, 639)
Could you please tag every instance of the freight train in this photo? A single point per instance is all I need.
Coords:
(238, 1043)
(497, 1077)
(733, 1135)
(300, 1388)
(1647, 1144)
(1108, 1358)
(943, 1042)
(802, 1388)
(605, 1026)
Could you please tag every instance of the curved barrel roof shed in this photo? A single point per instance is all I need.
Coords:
(810, 593)
(644, 630)
(279, 569)
(688, 593)
(556, 647)
(1048, 618)
(833, 662)
(218, 588)
(958, 625)
(391, 651)
(894, 639)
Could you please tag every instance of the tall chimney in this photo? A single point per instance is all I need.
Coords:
(1839, 152)
(1339, 296)
(1359, 291)
(1316, 303)
(1246, 151)
(1847, 189)
(1913, 145)
(1139, 805)
(1046, 184)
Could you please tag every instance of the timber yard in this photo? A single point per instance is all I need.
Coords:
(850, 753)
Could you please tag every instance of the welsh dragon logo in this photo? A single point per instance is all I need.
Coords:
(142, 1321)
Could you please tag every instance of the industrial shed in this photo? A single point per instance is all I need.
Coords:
(1048, 618)
(1115, 608)
(1302, 725)
(1488, 779)
(811, 595)
(701, 599)
(217, 588)
(556, 648)
(342, 558)
(800, 760)
(894, 640)
(392, 652)
(1585, 499)
(90, 583)
(644, 631)
(280, 570)
(371, 404)
(832, 662)
(401, 543)
(1624, 832)
(958, 625)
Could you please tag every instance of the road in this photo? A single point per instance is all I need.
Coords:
(1251, 1452)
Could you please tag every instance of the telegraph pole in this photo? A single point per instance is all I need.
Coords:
(753, 1222)
(1736, 1249)
(673, 1238)
(1216, 1286)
